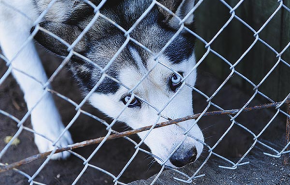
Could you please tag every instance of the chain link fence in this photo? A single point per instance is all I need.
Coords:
(210, 98)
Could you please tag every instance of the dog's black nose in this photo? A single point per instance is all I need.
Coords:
(180, 158)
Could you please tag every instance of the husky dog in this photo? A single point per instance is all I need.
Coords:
(67, 19)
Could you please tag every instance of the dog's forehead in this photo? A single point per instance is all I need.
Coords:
(116, 14)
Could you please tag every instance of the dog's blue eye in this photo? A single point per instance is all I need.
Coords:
(175, 81)
(135, 102)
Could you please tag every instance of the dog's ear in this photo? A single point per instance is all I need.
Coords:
(68, 33)
(180, 8)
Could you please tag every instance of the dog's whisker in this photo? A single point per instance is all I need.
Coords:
(210, 126)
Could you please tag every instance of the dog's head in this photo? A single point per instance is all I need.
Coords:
(137, 85)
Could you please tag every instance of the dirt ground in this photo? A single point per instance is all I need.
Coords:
(115, 154)
(262, 170)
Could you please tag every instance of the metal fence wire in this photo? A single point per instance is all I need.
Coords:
(276, 105)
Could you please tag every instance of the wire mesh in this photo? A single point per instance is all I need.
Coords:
(104, 74)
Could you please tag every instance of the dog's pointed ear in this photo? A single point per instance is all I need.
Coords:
(66, 32)
(180, 8)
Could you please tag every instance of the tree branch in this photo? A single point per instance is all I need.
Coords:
(131, 132)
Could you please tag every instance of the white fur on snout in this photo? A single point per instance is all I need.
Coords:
(155, 90)
(195, 133)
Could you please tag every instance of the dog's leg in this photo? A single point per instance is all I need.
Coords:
(45, 119)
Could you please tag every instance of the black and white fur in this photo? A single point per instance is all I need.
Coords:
(67, 19)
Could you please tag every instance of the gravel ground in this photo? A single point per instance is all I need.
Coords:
(261, 170)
